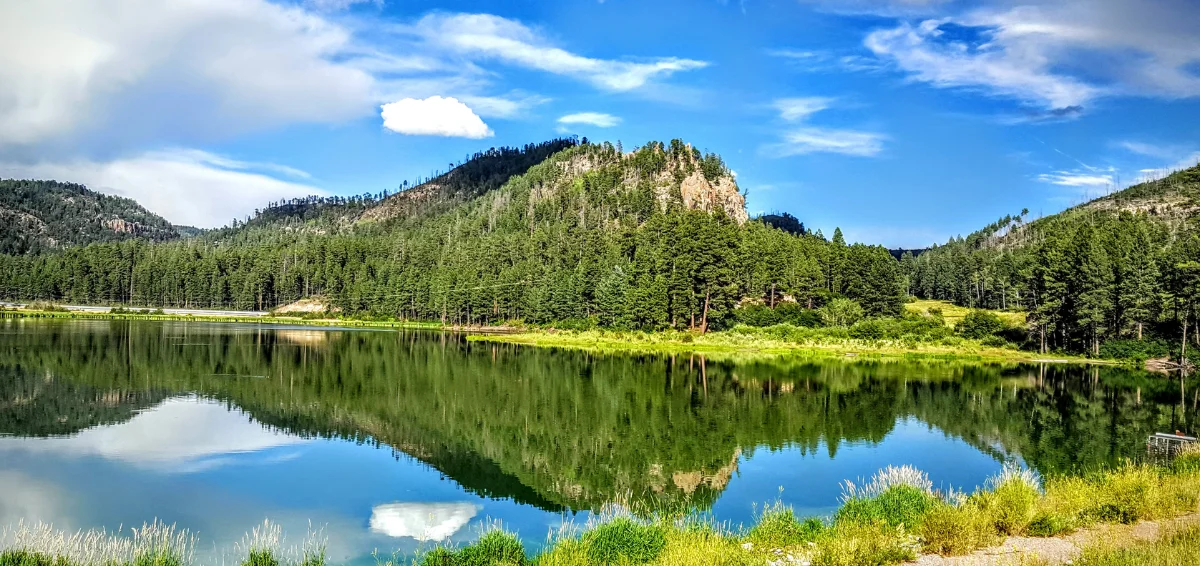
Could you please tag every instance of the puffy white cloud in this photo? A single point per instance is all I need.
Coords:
(184, 186)
(486, 36)
(434, 116)
(802, 139)
(1054, 54)
(181, 434)
(598, 119)
(171, 70)
(421, 521)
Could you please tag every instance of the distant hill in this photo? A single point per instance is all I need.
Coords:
(37, 216)
(1124, 266)
(560, 232)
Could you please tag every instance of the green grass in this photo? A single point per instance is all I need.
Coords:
(747, 342)
(953, 313)
(1179, 548)
(889, 519)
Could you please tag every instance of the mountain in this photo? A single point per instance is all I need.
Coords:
(37, 216)
(554, 233)
(1118, 268)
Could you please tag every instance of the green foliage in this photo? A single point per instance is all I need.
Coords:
(1011, 503)
(255, 557)
(27, 558)
(899, 505)
(841, 312)
(1135, 350)
(494, 548)
(1173, 549)
(952, 530)
(1108, 271)
(980, 324)
(624, 540)
(864, 544)
(513, 234)
(40, 216)
(778, 526)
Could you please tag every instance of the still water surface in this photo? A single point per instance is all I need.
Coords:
(391, 441)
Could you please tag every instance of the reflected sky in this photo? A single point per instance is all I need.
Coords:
(393, 441)
(211, 468)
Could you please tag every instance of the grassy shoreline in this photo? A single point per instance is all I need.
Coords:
(732, 344)
(738, 343)
(891, 518)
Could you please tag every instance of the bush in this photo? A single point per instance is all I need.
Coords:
(994, 341)
(979, 324)
(1135, 350)
(841, 312)
(624, 540)
(957, 529)
(870, 329)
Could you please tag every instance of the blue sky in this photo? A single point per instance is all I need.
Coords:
(904, 122)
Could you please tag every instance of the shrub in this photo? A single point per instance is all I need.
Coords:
(979, 323)
(841, 312)
(994, 341)
(624, 540)
(870, 329)
(796, 315)
(1135, 350)
(957, 529)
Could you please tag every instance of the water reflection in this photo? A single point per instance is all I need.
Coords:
(401, 439)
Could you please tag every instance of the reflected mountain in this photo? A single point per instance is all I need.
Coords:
(569, 430)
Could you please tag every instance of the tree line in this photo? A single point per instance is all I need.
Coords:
(1086, 277)
(588, 236)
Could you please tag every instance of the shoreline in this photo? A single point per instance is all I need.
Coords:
(718, 345)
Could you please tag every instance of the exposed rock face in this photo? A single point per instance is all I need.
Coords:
(699, 194)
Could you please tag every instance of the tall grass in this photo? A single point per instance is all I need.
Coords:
(890, 518)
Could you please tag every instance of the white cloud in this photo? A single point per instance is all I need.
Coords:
(598, 119)
(434, 116)
(803, 139)
(510, 106)
(800, 108)
(1077, 179)
(184, 186)
(171, 69)
(1054, 54)
(181, 434)
(337, 5)
(485, 36)
(421, 521)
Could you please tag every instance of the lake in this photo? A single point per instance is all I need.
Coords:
(393, 441)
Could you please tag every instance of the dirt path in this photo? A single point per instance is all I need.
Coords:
(1060, 550)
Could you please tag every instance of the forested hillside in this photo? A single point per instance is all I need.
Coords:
(1122, 268)
(37, 216)
(649, 239)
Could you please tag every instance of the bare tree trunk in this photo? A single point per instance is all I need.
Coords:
(1139, 332)
(704, 317)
